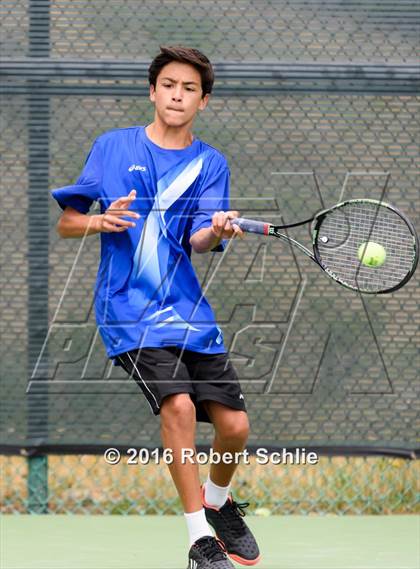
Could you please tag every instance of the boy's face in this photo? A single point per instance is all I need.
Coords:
(177, 96)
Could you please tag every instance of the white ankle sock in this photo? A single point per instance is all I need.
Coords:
(215, 495)
(197, 525)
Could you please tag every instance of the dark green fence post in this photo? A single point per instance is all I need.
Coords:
(38, 245)
(38, 484)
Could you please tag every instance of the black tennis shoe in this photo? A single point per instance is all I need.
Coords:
(232, 531)
(208, 553)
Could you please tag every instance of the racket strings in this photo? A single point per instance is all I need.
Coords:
(345, 229)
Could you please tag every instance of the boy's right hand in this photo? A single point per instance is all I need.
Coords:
(111, 222)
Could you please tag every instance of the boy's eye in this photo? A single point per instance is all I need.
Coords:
(171, 85)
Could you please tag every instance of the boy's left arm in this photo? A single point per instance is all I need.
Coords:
(209, 238)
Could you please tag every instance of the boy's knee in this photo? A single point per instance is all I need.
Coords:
(177, 411)
(235, 429)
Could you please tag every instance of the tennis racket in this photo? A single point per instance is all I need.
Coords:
(343, 237)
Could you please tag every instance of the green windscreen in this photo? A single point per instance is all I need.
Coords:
(324, 87)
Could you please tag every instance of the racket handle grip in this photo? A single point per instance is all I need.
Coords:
(251, 225)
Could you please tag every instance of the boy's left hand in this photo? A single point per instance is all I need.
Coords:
(222, 227)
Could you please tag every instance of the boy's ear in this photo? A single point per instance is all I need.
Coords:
(204, 102)
(152, 93)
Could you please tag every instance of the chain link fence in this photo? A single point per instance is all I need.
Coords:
(240, 31)
(85, 484)
(301, 87)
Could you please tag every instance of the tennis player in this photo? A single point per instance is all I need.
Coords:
(164, 192)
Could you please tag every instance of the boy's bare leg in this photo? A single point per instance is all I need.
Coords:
(231, 434)
(226, 516)
(178, 424)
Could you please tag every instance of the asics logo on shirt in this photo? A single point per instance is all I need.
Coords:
(137, 168)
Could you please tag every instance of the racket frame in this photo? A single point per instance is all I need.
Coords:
(316, 222)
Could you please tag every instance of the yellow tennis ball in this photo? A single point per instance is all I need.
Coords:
(264, 512)
(371, 254)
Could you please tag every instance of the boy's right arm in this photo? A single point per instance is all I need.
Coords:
(74, 224)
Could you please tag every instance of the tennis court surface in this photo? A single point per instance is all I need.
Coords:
(155, 542)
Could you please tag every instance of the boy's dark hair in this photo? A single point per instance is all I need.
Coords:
(184, 55)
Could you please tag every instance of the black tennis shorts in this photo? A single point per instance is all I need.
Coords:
(160, 372)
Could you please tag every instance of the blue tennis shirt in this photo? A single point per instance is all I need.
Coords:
(147, 293)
